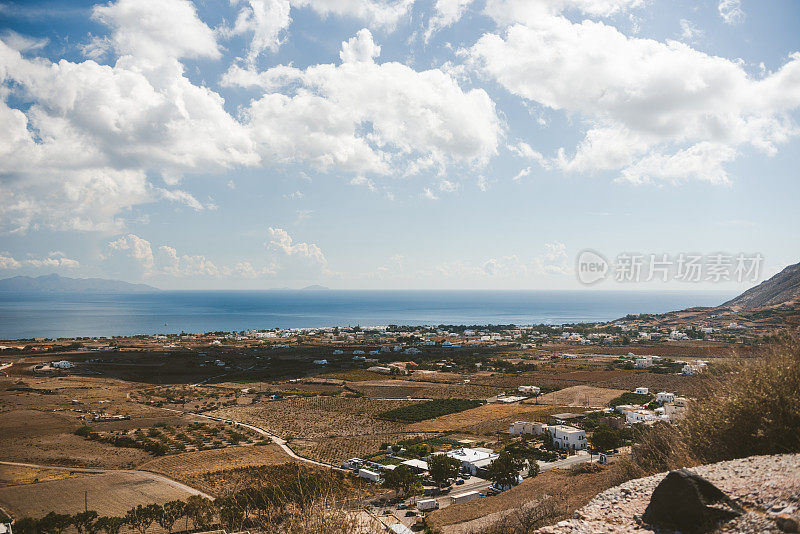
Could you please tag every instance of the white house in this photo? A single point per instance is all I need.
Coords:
(338, 352)
(473, 459)
(642, 391)
(663, 396)
(639, 416)
(320, 362)
(357, 351)
(529, 390)
(369, 475)
(568, 437)
(63, 364)
(644, 362)
(521, 427)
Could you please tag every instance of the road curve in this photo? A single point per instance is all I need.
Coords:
(146, 474)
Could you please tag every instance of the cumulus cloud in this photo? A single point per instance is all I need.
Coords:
(553, 261)
(506, 12)
(184, 265)
(359, 48)
(54, 260)
(294, 260)
(363, 116)
(135, 247)
(640, 99)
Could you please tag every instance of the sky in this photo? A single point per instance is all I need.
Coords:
(397, 144)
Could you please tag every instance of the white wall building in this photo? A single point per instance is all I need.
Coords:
(663, 397)
(568, 437)
(473, 459)
(643, 391)
(644, 362)
(529, 390)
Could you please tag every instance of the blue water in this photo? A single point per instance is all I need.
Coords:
(27, 315)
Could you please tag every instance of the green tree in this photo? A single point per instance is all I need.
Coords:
(85, 522)
(110, 525)
(170, 513)
(141, 517)
(505, 470)
(26, 525)
(402, 480)
(606, 438)
(54, 523)
(200, 510)
(521, 450)
(442, 467)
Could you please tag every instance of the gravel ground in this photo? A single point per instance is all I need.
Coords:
(768, 487)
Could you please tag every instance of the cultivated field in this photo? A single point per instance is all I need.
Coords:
(330, 429)
(113, 493)
(485, 420)
(189, 467)
(579, 396)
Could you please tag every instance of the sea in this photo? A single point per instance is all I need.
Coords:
(66, 315)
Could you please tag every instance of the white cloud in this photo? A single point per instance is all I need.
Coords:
(703, 161)
(184, 265)
(55, 260)
(376, 13)
(23, 43)
(294, 260)
(522, 174)
(181, 197)
(361, 47)
(506, 12)
(553, 261)
(638, 97)
(297, 195)
(267, 20)
(157, 30)
(731, 11)
(361, 116)
(446, 13)
(135, 247)
(366, 182)
(7, 262)
(428, 194)
(690, 32)
(447, 186)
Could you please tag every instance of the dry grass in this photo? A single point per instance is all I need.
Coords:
(485, 419)
(14, 475)
(113, 493)
(186, 466)
(556, 492)
(330, 429)
(581, 396)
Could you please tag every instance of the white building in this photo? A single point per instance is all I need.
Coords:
(663, 396)
(644, 362)
(473, 459)
(380, 369)
(642, 391)
(320, 362)
(568, 437)
(369, 475)
(529, 390)
(639, 416)
(63, 364)
(464, 497)
(521, 427)
(338, 352)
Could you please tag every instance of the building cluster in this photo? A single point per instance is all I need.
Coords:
(564, 436)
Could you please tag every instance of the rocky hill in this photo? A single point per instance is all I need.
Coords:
(55, 283)
(768, 487)
(781, 288)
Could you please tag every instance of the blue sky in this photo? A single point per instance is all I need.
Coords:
(395, 144)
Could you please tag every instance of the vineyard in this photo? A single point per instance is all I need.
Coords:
(429, 410)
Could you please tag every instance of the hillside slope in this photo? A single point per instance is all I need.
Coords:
(783, 287)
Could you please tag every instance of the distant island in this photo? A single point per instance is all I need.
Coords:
(53, 283)
(316, 287)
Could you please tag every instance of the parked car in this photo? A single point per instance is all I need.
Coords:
(465, 476)
(459, 482)
(402, 506)
(411, 513)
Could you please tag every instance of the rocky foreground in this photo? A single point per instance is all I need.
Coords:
(768, 487)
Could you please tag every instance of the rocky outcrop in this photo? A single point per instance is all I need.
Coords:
(767, 488)
(781, 288)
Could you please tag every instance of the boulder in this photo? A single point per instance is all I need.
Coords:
(683, 501)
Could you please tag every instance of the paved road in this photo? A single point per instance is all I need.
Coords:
(146, 474)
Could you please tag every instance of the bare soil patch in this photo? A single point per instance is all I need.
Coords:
(579, 396)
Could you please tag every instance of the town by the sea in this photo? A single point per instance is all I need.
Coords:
(59, 315)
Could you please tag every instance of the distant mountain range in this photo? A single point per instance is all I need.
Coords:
(316, 287)
(53, 283)
(782, 288)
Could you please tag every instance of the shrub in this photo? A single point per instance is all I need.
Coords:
(429, 410)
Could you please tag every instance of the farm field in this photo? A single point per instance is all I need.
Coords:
(578, 396)
(398, 389)
(487, 419)
(190, 466)
(428, 410)
(330, 429)
(113, 493)
(14, 475)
